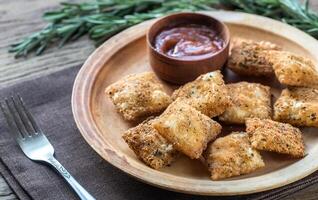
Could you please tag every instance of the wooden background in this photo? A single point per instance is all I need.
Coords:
(19, 18)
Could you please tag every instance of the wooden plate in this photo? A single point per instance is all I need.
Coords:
(126, 53)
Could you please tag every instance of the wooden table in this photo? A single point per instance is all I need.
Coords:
(19, 18)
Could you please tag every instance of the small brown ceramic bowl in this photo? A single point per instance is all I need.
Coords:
(179, 70)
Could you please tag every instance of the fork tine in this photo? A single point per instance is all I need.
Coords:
(9, 118)
(36, 128)
(16, 117)
(24, 118)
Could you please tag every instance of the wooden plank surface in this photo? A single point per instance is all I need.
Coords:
(19, 18)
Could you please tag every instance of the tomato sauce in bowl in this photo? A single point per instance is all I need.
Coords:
(182, 46)
(188, 40)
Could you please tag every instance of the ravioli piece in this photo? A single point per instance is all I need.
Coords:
(269, 135)
(186, 128)
(248, 100)
(150, 146)
(207, 94)
(138, 95)
(297, 106)
(232, 155)
(294, 70)
(249, 58)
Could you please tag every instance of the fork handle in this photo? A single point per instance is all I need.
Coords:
(80, 191)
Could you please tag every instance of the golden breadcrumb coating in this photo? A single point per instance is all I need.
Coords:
(294, 70)
(248, 100)
(186, 128)
(149, 145)
(207, 94)
(138, 95)
(268, 135)
(232, 155)
(250, 58)
(297, 106)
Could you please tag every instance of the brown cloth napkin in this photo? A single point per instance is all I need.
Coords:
(49, 99)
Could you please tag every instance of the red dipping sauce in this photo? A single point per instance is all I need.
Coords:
(188, 40)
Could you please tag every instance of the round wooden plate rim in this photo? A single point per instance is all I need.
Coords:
(81, 103)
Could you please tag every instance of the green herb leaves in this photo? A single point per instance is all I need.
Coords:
(101, 19)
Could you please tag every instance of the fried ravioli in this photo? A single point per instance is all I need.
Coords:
(294, 70)
(138, 95)
(249, 58)
(248, 100)
(207, 93)
(149, 145)
(274, 136)
(297, 106)
(232, 155)
(186, 128)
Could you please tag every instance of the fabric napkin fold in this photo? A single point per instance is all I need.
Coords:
(49, 99)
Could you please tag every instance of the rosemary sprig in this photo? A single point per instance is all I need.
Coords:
(288, 11)
(101, 19)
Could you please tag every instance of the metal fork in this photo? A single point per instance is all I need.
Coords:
(33, 142)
